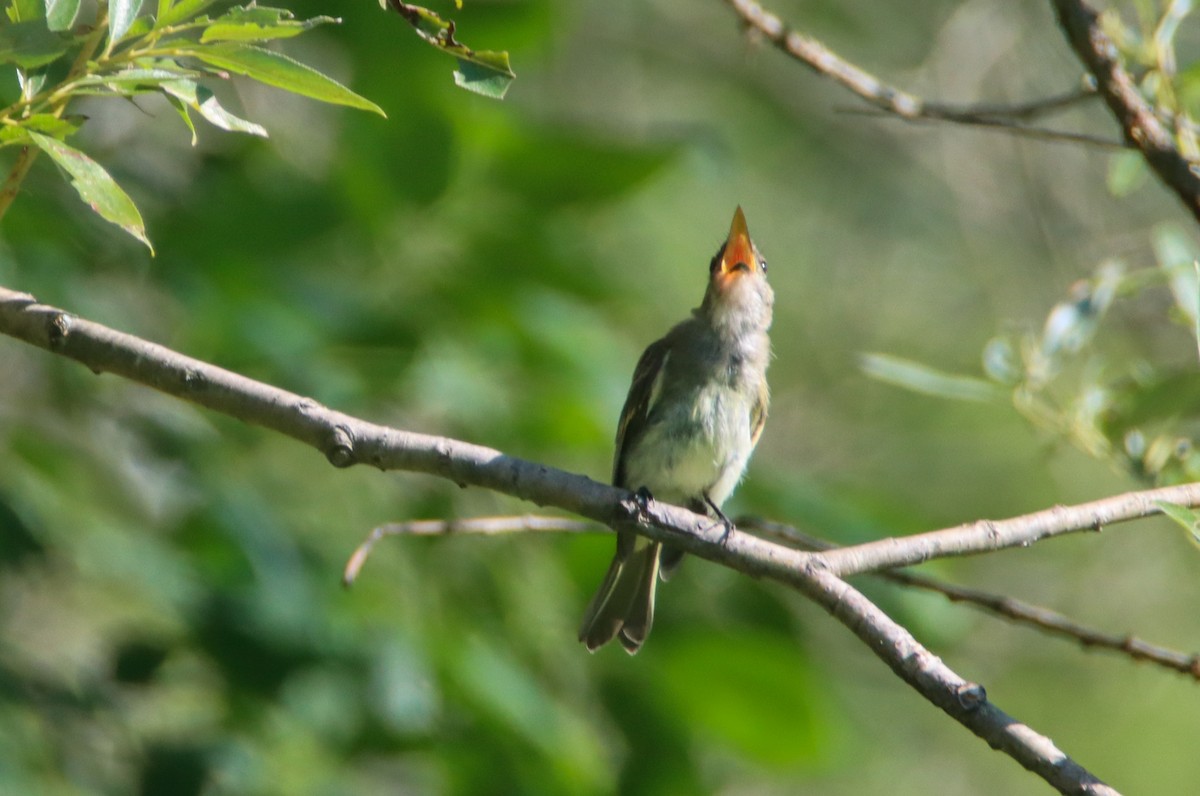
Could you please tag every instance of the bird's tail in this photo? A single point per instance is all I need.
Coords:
(624, 604)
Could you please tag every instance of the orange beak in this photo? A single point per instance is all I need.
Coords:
(739, 255)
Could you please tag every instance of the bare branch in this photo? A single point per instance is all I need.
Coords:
(1018, 611)
(900, 104)
(346, 440)
(987, 535)
(1141, 127)
(16, 176)
(1023, 111)
(970, 118)
(486, 526)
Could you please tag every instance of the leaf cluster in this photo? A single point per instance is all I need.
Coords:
(1143, 418)
(173, 51)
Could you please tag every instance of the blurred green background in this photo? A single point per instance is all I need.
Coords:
(171, 616)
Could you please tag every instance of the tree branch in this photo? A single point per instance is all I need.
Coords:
(1142, 129)
(900, 104)
(1005, 607)
(346, 440)
(983, 536)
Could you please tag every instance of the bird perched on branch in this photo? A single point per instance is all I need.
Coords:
(694, 413)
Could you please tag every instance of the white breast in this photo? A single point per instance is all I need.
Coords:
(689, 454)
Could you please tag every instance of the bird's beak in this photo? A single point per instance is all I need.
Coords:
(738, 256)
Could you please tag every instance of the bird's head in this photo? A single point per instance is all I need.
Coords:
(738, 293)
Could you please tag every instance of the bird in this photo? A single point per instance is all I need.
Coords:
(695, 411)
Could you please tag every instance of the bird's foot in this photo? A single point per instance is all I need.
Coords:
(642, 498)
(721, 519)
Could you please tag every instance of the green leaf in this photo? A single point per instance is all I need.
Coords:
(31, 44)
(24, 10)
(257, 23)
(482, 80)
(121, 14)
(483, 71)
(61, 14)
(182, 108)
(30, 81)
(13, 135)
(929, 381)
(150, 78)
(205, 103)
(140, 27)
(136, 80)
(44, 123)
(180, 12)
(275, 69)
(1187, 518)
(95, 186)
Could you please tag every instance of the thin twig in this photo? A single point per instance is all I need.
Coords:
(900, 104)
(346, 440)
(16, 176)
(485, 526)
(1000, 124)
(1018, 611)
(1023, 111)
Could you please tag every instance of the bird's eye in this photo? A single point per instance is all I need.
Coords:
(716, 260)
(762, 263)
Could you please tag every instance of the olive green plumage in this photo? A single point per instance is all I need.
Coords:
(695, 410)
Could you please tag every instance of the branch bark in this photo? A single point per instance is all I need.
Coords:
(984, 536)
(346, 440)
(1140, 125)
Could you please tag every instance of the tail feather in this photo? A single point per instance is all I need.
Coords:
(624, 603)
(669, 561)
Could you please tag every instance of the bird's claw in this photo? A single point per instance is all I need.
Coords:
(727, 528)
(642, 498)
(722, 520)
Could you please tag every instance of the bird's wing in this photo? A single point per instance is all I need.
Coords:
(643, 394)
(758, 412)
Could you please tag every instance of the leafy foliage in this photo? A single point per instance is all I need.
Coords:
(167, 53)
(1144, 420)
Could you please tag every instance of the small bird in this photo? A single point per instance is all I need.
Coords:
(694, 413)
